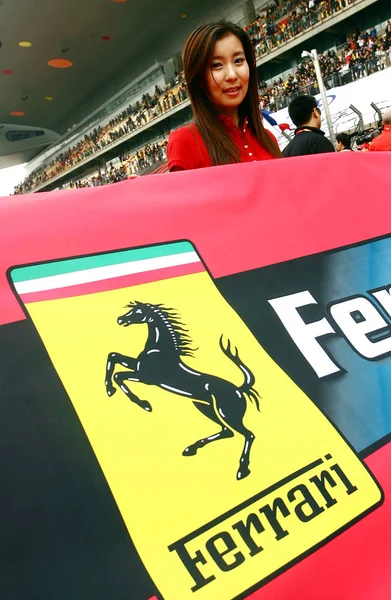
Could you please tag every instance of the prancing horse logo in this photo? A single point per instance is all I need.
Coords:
(160, 364)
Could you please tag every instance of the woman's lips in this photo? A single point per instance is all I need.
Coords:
(232, 91)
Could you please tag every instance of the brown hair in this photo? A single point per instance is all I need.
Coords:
(196, 57)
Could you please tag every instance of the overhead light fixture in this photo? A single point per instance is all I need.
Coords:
(48, 98)
(59, 63)
(25, 44)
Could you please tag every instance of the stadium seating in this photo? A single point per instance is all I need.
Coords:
(362, 55)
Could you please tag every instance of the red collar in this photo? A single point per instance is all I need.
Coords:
(228, 122)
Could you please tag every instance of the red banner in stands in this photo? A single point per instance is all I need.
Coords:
(195, 384)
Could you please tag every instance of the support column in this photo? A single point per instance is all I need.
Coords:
(178, 63)
(249, 12)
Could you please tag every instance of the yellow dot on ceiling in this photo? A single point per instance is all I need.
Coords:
(48, 98)
(25, 44)
(183, 15)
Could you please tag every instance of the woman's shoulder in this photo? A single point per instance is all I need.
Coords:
(187, 135)
(184, 133)
(184, 148)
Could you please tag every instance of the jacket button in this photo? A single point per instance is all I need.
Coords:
(246, 146)
(250, 153)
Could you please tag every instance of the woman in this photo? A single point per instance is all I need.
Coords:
(220, 70)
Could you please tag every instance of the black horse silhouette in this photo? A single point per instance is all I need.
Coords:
(160, 364)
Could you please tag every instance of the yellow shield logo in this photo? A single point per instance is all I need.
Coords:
(224, 471)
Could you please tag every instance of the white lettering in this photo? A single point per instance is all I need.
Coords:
(384, 298)
(305, 335)
(357, 331)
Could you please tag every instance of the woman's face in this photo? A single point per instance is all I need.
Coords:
(227, 75)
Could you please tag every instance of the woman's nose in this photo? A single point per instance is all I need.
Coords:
(230, 73)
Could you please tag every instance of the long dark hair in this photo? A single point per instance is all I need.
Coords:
(196, 58)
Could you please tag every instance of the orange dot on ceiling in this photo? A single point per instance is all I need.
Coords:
(25, 44)
(106, 38)
(17, 113)
(60, 63)
(48, 98)
(118, 1)
(7, 72)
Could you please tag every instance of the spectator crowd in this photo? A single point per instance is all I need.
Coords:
(150, 156)
(282, 20)
(363, 54)
(122, 124)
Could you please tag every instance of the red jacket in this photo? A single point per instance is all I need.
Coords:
(383, 141)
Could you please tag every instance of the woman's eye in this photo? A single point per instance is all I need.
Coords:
(239, 60)
(216, 65)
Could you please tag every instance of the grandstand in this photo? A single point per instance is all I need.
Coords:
(127, 134)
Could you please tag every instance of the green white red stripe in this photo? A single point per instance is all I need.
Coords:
(92, 274)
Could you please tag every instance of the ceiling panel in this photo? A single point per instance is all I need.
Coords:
(140, 32)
